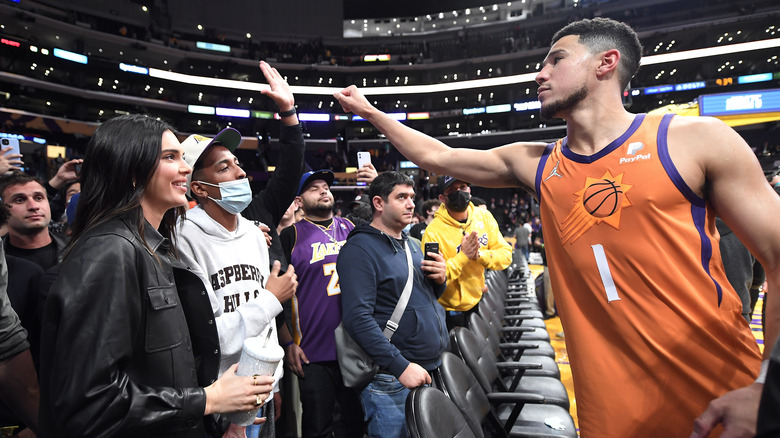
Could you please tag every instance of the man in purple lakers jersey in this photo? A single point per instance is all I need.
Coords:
(628, 202)
(312, 246)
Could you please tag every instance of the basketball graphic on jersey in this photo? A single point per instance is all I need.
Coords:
(601, 200)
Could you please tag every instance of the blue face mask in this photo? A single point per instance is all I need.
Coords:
(407, 228)
(236, 195)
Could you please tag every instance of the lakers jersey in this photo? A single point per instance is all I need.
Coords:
(653, 330)
(317, 301)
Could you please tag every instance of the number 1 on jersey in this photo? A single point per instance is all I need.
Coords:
(606, 274)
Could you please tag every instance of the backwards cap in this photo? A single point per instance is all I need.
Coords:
(196, 145)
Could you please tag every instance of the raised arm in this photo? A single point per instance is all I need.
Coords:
(507, 166)
(282, 187)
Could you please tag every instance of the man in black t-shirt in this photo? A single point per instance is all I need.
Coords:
(28, 236)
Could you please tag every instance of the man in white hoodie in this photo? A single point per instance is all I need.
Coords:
(230, 251)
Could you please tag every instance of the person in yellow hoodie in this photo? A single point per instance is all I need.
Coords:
(470, 241)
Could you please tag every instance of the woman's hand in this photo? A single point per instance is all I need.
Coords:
(234, 393)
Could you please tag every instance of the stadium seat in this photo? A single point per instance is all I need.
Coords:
(482, 362)
(430, 414)
(506, 414)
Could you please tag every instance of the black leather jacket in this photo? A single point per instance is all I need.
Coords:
(128, 341)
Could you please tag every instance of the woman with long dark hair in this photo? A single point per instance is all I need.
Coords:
(129, 347)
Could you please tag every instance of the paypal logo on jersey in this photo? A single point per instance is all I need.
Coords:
(635, 158)
(632, 149)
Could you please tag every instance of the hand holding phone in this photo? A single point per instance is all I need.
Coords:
(431, 247)
(363, 158)
(435, 270)
(10, 155)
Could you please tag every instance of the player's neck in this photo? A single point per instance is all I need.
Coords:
(590, 131)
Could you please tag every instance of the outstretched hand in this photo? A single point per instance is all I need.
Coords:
(279, 90)
(353, 101)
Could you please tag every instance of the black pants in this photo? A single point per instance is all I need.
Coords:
(321, 387)
(459, 319)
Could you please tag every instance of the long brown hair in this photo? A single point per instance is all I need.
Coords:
(121, 158)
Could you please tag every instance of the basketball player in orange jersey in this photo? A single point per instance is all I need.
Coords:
(653, 329)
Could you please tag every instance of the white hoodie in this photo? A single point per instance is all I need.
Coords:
(234, 267)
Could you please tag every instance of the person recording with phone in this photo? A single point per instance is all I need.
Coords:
(373, 268)
(471, 242)
(10, 157)
(366, 172)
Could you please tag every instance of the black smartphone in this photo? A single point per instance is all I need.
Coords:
(431, 247)
(78, 169)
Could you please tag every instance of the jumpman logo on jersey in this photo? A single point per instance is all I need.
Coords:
(554, 171)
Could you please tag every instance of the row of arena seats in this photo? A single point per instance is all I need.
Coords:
(500, 378)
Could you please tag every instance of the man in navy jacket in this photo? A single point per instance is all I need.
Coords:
(373, 270)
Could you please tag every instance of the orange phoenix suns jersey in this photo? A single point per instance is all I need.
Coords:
(653, 329)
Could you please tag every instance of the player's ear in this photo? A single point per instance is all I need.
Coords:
(609, 62)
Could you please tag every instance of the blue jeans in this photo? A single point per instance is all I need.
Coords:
(384, 403)
(265, 430)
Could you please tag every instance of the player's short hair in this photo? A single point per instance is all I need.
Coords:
(601, 34)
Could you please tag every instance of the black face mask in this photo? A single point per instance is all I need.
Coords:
(458, 201)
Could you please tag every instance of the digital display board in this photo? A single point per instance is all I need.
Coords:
(212, 46)
(70, 56)
(747, 102)
(690, 86)
(658, 89)
(752, 79)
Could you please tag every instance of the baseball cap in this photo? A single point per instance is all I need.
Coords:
(312, 175)
(446, 181)
(360, 199)
(196, 145)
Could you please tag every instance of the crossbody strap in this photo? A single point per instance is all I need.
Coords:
(398, 312)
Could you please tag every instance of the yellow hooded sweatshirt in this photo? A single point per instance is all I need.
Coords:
(465, 277)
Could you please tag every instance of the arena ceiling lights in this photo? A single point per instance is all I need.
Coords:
(454, 86)
(711, 51)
